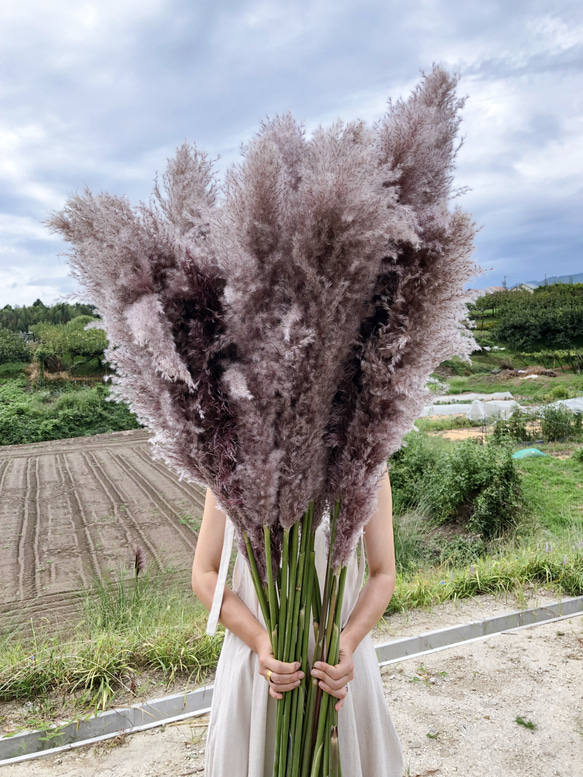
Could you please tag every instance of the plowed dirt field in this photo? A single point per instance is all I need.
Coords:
(72, 511)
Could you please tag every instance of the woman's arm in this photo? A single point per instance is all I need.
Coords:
(373, 599)
(234, 613)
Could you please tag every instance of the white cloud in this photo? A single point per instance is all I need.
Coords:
(101, 93)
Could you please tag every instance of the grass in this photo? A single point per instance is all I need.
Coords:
(526, 723)
(58, 411)
(553, 491)
(558, 568)
(532, 390)
(13, 370)
(127, 628)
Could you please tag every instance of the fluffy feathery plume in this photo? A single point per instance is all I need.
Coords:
(151, 273)
(307, 226)
(277, 337)
(420, 303)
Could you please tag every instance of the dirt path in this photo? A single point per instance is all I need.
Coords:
(455, 710)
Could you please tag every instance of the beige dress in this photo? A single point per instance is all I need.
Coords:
(240, 740)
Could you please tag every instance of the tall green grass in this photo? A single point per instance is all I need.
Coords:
(559, 570)
(126, 627)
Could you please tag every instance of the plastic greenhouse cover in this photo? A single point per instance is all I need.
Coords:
(471, 396)
(482, 410)
(445, 410)
(575, 404)
(476, 411)
(528, 453)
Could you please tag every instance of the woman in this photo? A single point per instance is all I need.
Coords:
(241, 729)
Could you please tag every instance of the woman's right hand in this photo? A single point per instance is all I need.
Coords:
(280, 676)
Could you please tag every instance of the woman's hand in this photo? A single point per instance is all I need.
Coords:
(334, 679)
(280, 676)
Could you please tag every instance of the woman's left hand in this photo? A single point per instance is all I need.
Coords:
(334, 679)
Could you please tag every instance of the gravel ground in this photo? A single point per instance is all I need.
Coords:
(455, 710)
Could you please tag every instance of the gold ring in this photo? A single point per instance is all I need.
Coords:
(268, 675)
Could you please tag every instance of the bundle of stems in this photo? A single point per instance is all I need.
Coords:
(292, 603)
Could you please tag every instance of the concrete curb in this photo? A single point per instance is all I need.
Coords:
(400, 649)
(169, 709)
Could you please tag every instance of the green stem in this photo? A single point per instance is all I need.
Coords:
(334, 750)
(288, 646)
(314, 695)
(273, 608)
(257, 583)
(289, 641)
(293, 642)
(283, 592)
(278, 736)
(273, 629)
(316, 599)
(304, 637)
(327, 738)
(297, 737)
(333, 652)
(325, 616)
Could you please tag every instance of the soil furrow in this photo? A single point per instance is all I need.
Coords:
(71, 516)
(120, 498)
(105, 483)
(169, 513)
(37, 527)
(192, 491)
(26, 556)
(86, 545)
(74, 444)
(3, 473)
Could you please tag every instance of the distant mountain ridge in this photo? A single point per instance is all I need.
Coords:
(576, 278)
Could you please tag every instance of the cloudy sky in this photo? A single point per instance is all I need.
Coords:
(99, 94)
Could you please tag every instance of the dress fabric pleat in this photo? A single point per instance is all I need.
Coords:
(240, 739)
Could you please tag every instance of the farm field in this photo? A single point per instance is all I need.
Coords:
(74, 511)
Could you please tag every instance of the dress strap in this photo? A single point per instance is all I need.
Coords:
(211, 626)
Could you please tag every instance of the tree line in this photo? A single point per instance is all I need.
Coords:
(54, 336)
(549, 317)
(23, 318)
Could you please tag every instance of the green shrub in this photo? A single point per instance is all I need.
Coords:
(514, 428)
(475, 485)
(560, 391)
(578, 455)
(33, 416)
(559, 424)
(60, 345)
(13, 369)
(462, 550)
(13, 347)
